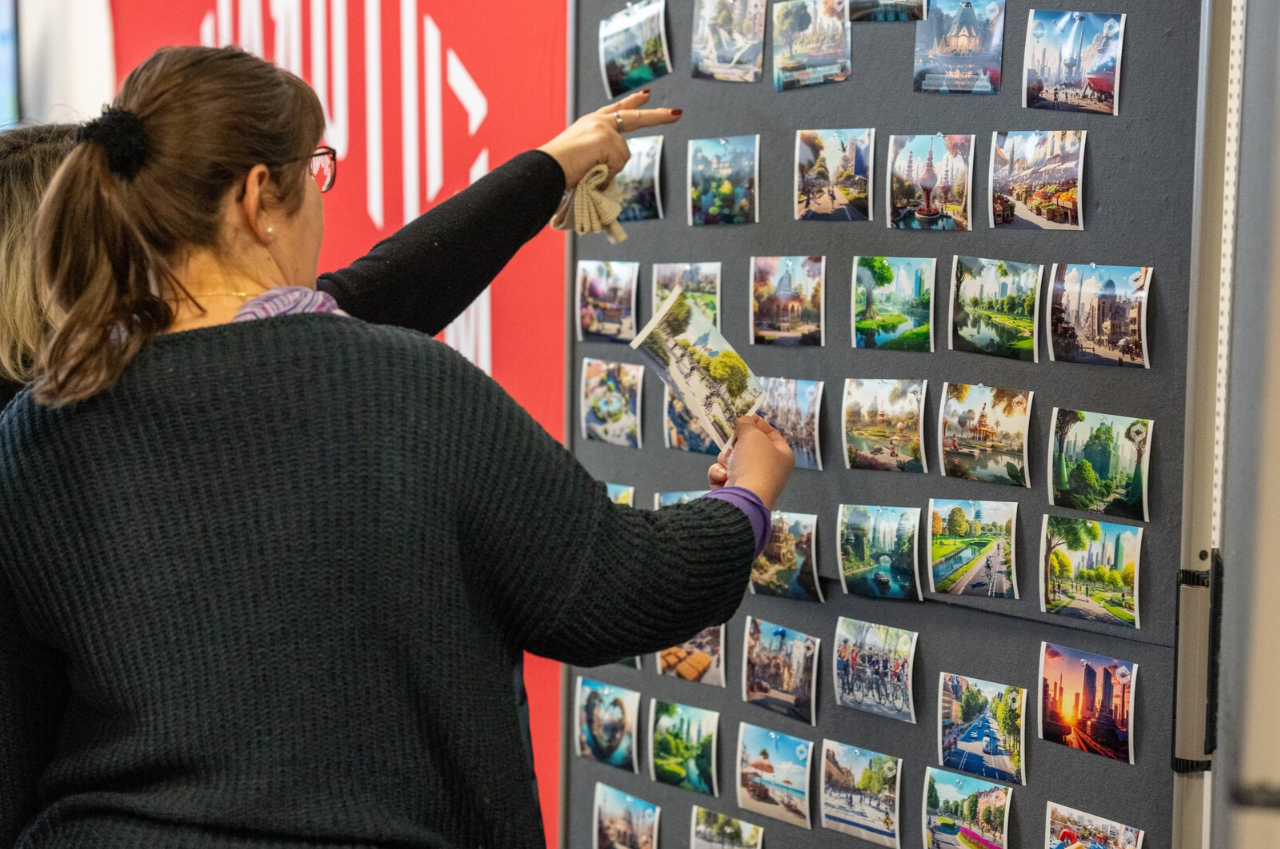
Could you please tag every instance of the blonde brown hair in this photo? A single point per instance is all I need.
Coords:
(146, 185)
(29, 157)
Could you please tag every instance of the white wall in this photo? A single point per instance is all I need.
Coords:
(68, 59)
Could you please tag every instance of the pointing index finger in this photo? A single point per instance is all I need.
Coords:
(641, 118)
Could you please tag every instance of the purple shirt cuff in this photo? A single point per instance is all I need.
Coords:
(748, 502)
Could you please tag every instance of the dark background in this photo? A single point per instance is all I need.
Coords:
(1137, 191)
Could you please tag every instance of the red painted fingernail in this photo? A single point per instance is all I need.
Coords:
(645, 91)
(677, 111)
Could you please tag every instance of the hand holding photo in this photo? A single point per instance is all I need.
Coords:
(971, 548)
(728, 40)
(980, 728)
(671, 499)
(607, 300)
(787, 304)
(607, 718)
(788, 566)
(700, 367)
(884, 425)
(793, 408)
(638, 182)
(964, 812)
(1086, 701)
(930, 177)
(1098, 314)
(811, 44)
(982, 433)
(780, 670)
(860, 792)
(623, 821)
(633, 47)
(959, 47)
(699, 280)
(712, 830)
(773, 774)
(1099, 463)
(699, 659)
(877, 547)
(1067, 828)
(893, 302)
(611, 402)
(872, 666)
(722, 180)
(1037, 180)
(834, 174)
(1072, 61)
(682, 746)
(994, 307)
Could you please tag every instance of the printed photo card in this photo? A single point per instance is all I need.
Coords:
(699, 659)
(728, 40)
(1089, 570)
(713, 830)
(787, 303)
(607, 723)
(893, 302)
(811, 43)
(960, 811)
(884, 425)
(1072, 61)
(981, 728)
(607, 300)
(610, 403)
(860, 793)
(994, 307)
(1037, 180)
(773, 774)
(723, 179)
(794, 407)
(1098, 314)
(624, 821)
(887, 11)
(639, 181)
(788, 566)
(633, 47)
(929, 182)
(682, 746)
(1099, 463)
(872, 668)
(972, 547)
(834, 174)
(1067, 828)
(982, 433)
(877, 548)
(959, 47)
(1086, 701)
(699, 280)
(780, 670)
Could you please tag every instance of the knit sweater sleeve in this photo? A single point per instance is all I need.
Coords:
(33, 691)
(424, 275)
(575, 577)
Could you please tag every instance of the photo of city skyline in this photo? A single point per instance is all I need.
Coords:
(1086, 701)
(1089, 570)
(1098, 314)
(1072, 61)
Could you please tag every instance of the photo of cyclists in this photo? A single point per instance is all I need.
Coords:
(872, 668)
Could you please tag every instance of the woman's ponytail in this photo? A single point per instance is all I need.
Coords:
(144, 187)
(98, 265)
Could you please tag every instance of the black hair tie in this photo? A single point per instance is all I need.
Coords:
(120, 134)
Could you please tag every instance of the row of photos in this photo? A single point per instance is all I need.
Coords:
(1071, 61)
(1086, 703)
(1035, 179)
(1096, 315)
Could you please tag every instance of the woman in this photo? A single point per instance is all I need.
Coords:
(422, 277)
(265, 577)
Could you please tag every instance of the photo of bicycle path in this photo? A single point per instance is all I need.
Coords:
(971, 548)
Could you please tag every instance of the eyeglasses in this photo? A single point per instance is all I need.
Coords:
(324, 167)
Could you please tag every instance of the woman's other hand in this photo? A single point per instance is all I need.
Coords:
(760, 460)
(596, 137)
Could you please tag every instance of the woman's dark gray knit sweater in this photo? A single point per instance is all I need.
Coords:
(270, 589)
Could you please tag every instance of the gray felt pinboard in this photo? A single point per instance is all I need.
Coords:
(1137, 183)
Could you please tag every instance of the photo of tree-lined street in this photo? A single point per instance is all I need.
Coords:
(963, 812)
(971, 548)
(860, 793)
(833, 174)
(713, 830)
(980, 728)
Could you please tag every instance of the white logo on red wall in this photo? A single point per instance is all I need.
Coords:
(423, 112)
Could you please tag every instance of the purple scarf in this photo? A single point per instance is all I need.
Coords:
(287, 300)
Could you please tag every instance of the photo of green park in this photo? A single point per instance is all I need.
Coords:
(893, 303)
(1089, 570)
(1099, 463)
(994, 307)
(682, 746)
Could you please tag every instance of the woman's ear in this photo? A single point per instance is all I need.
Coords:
(253, 204)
